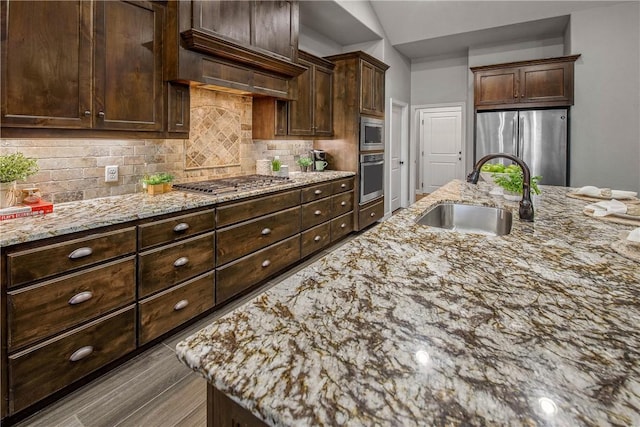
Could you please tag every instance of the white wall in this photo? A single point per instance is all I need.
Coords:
(315, 43)
(439, 80)
(605, 124)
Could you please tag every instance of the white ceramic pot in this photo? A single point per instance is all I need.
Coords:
(8, 194)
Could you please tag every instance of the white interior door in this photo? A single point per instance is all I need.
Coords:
(441, 138)
(396, 157)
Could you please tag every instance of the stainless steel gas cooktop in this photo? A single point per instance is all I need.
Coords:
(233, 184)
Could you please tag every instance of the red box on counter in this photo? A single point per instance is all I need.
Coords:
(23, 210)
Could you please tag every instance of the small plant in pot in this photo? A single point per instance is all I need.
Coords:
(304, 163)
(158, 183)
(511, 182)
(14, 167)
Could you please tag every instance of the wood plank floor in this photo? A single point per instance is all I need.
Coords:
(152, 389)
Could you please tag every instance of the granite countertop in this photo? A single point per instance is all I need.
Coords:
(412, 325)
(94, 213)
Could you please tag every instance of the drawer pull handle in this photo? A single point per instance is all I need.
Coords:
(81, 297)
(343, 225)
(266, 231)
(266, 263)
(318, 212)
(181, 304)
(343, 186)
(317, 238)
(317, 192)
(181, 261)
(372, 214)
(81, 353)
(343, 204)
(183, 226)
(80, 253)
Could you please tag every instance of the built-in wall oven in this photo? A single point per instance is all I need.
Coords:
(371, 177)
(371, 134)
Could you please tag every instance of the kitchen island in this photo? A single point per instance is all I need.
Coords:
(413, 325)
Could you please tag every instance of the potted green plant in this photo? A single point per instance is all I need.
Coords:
(158, 183)
(511, 181)
(14, 167)
(275, 164)
(304, 163)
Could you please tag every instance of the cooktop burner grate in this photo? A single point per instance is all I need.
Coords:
(233, 184)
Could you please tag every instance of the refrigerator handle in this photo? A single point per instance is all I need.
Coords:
(520, 146)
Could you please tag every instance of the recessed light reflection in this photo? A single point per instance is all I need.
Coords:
(548, 406)
(423, 357)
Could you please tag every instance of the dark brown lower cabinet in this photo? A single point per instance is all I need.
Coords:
(370, 213)
(315, 239)
(224, 412)
(48, 367)
(173, 307)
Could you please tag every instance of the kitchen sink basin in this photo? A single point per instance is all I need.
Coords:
(468, 219)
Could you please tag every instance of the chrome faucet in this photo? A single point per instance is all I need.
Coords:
(526, 207)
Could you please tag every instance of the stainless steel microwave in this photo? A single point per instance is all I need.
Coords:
(371, 134)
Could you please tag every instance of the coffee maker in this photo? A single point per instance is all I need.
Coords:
(317, 155)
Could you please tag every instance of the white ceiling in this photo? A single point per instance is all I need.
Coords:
(424, 28)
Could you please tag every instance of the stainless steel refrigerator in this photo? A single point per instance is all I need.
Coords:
(539, 137)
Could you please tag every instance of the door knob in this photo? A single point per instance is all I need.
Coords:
(401, 162)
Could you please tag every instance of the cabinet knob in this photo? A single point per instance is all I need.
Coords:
(80, 253)
(180, 228)
(372, 214)
(266, 231)
(343, 204)
(317, 238)
(87, 113)
(181, 261)
(343, 225)
(318, 212)
(180, 305)
(266, 263)
(80, 298)
(81, 353)
(101, 114)
(317, 192)
(343, 186)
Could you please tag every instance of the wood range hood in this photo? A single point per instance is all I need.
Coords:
(247, 48)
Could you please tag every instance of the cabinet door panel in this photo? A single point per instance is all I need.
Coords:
(378, 91)
(273, 27)
(496, 86)
(229, 19)
(46, 71)
(128, 58)
(323, 111)
(547, 83)
(301, 110)
(366, 88)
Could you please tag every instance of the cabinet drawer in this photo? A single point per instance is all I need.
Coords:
(39, 311)
(341, 203)
(246, 272)
(237, 212)
(342, 185)
(316, 192)
(242, 239)
(166, 310)
(43, 369)
(341, 226)
(164, 267)
(370, 214)
(316, 213)
(34, 264)
(315, 239)
(168, 230)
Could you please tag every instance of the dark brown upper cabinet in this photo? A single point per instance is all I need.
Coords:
(93, 66)
(525, 84)
(366, 74)
(245, 47)
(310, 114)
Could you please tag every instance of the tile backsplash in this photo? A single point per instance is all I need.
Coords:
(219, 145)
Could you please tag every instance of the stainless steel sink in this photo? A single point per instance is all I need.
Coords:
(468, 219)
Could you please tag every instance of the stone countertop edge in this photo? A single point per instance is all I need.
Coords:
(412, 325)
(71, 217)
